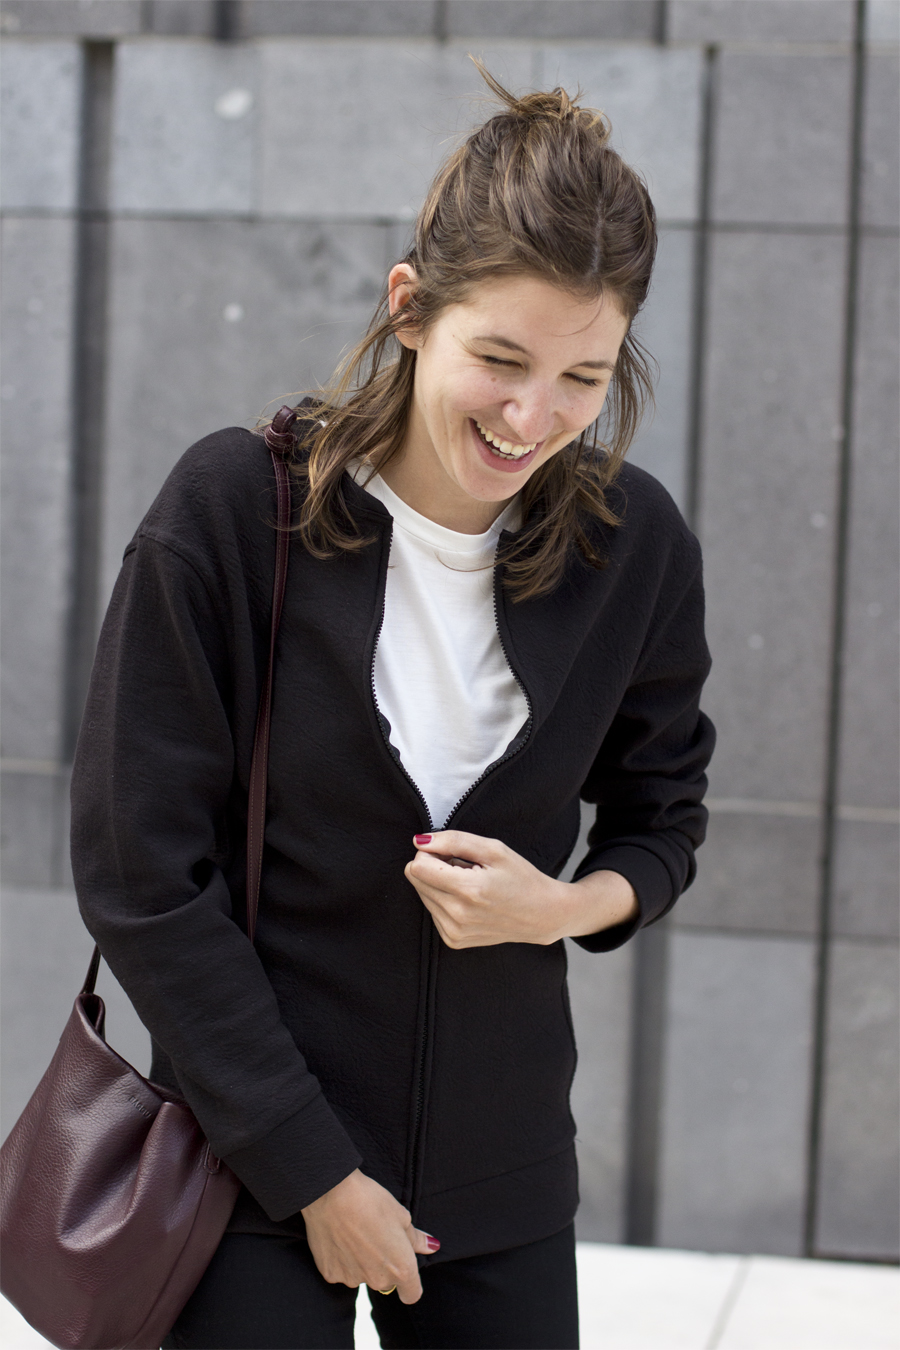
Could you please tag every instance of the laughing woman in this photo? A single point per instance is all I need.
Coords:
(488, 618)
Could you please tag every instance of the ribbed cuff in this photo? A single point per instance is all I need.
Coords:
(298, 1161)
(652, 884)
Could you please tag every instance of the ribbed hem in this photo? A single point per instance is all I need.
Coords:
(502, 1212)
(298, 1161)
(652, 882)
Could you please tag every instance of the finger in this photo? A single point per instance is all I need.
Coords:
(436, 873)
(473, 848)
(423, 1243)
(410, 1291)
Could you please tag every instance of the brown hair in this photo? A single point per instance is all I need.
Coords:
(536, 190)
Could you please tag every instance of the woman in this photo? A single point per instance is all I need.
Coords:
(487, 618)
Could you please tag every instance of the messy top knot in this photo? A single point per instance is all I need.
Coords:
(536, 190)
(554, 104)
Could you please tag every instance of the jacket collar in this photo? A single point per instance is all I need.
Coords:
(542, 638)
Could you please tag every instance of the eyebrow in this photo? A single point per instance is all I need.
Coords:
(514, 347)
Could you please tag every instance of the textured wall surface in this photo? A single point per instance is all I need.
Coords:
(200, 202)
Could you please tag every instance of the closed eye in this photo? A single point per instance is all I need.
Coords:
(579, 379)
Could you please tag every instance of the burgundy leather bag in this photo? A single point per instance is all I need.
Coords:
(112, 1204)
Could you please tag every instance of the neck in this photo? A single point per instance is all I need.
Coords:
(419, 478)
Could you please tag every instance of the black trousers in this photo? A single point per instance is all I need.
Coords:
(265, 1293)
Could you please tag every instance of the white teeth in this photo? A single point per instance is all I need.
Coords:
(508, 449)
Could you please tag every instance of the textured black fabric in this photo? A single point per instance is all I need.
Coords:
(351, 1035)
(265, 1292)
(522, 1299)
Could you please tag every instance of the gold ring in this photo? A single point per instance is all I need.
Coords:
(386, 1291)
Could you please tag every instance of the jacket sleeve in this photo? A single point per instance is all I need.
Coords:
(648, 779)
(153, 775)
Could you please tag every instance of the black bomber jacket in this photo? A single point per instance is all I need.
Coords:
(350, 1035)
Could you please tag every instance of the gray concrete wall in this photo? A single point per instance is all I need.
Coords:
(737, 1082)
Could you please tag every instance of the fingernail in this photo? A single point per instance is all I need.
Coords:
(433, 1244)
(423, 839)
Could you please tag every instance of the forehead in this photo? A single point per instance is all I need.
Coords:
(530, 307)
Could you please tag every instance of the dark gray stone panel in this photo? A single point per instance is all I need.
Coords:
(185, 127)
(211, 321)
(40, 85)
(665, 327)
(600, 989)
(357, 129)
(771, 410)
(400, 235)
(34, 826)
(601, 996)
(653, 98)
(46, 950)
(760, 20)
(866, 867)
(38, 284)
(782, 138)
(859, 1184)
(736, 1090)
(881, 153)
(870, 717)
(180, 18)
(588, 816)
(756, 872)
(72, 18)
(339, 18)
(601, 20)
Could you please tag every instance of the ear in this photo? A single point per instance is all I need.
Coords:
(402, 283)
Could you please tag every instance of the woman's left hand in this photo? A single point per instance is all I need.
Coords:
(480, 892)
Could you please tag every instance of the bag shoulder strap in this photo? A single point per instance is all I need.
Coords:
(279, 437)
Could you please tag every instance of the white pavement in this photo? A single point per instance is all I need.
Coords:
(645, 1298)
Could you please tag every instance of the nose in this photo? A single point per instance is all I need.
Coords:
(531, 414)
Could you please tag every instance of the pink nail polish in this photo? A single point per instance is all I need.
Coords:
(422, 839)
(433, 1244)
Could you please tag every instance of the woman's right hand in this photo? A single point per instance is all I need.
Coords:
(359, 1234)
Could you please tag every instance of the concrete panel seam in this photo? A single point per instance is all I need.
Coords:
(259, 218)
(48, 766)
(648, 1034)
(700, 301)
(761, 934)
(875, 815)
(744, 47)
(821, 994)
(753, 806)
(89, 374)
(811, 227)
(728, 1304)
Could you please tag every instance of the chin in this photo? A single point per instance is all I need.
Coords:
(483, 486)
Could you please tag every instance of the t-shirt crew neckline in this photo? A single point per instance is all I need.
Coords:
(439, 537)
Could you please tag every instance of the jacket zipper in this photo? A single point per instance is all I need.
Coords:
(384, 736)
(419, 1088)
(520, 743)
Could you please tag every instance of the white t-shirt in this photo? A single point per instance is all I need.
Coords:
(441, 678)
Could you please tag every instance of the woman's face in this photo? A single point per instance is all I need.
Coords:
(503, 381)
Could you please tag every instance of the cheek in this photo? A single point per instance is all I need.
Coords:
(586, 406)
(476, 390)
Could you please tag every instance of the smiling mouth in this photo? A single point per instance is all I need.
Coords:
(500, 447)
